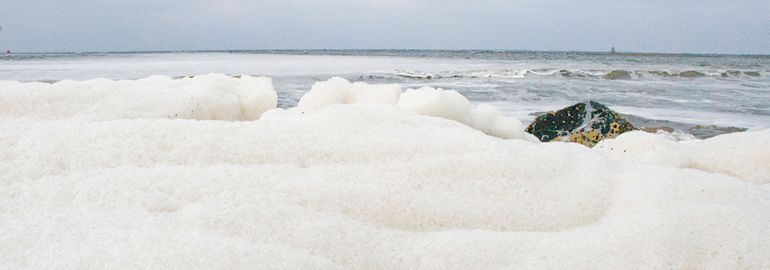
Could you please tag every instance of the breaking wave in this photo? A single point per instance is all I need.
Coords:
(578, 73)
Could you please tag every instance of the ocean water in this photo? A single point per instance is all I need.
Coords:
(723, 90)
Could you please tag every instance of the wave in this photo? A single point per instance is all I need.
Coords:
(616, 74)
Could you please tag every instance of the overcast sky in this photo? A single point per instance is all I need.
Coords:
(709, 26)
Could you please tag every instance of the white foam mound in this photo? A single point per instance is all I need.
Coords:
(448, 104)
(364, 186)
(340, 91)
(442, 103)
(744, 154)
(204, 97)
(452, 105)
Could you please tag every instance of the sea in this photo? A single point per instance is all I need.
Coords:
(678, 91)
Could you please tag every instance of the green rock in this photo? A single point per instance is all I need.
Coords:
(708, 131)
(619, 75)
(751, 73)
(731, 73)
(585, 123)
(691, 74)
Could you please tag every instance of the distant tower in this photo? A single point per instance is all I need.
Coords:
(7, 51)
(612, 51)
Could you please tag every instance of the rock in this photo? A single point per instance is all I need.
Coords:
(618, 75)
(656, 129)
(691, 74)
(708, 131)
(751, 73)
(585, 123)
(731, 73)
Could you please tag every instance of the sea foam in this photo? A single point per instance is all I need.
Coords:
(204, 97)
(400, 181)
(437, 102)
(740, 154)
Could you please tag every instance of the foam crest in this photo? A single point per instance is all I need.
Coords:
(436, 102)
(340, 91)
(743, 154)
(442, 103)
(204, 97)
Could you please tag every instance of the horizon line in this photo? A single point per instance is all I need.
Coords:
(618, 53)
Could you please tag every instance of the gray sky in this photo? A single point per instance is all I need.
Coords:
(727, 26)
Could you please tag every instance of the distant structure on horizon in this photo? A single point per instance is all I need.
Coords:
(7, 51)
(612, 51)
